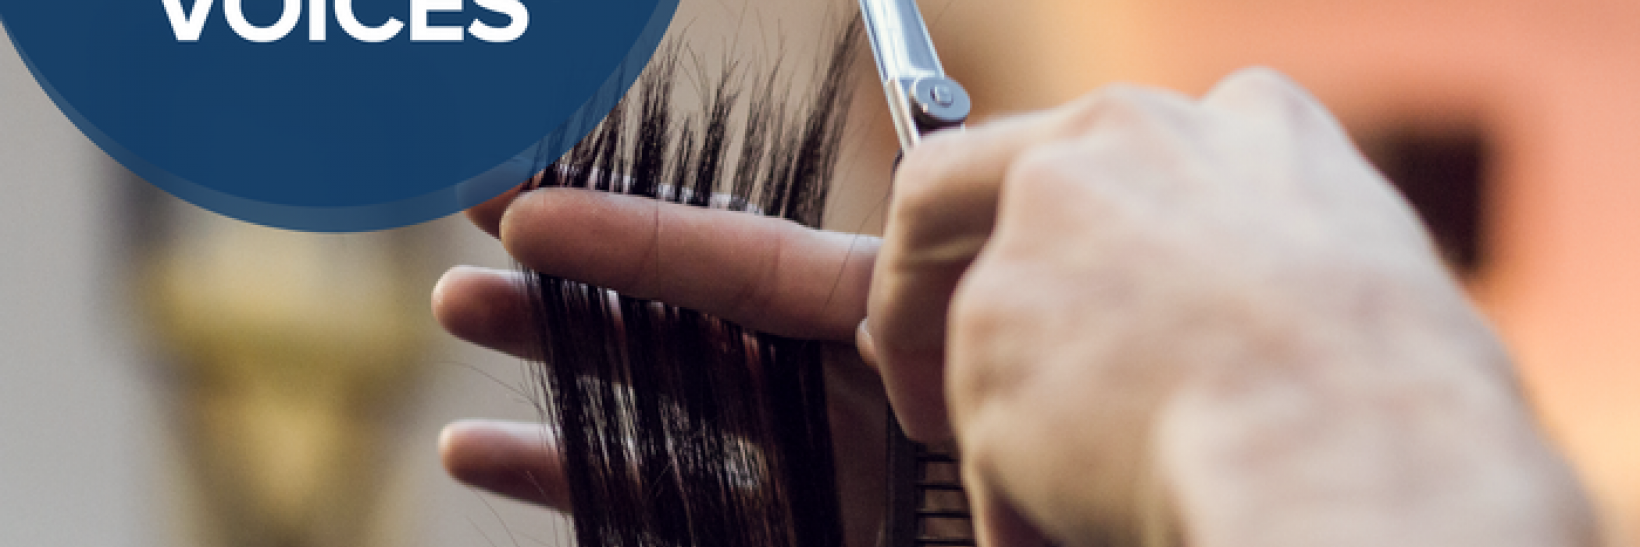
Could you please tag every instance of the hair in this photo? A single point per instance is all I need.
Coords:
(678, 428)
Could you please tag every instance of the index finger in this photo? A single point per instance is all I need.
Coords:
(767, 274)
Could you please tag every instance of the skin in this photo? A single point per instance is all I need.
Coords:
(1143, 318)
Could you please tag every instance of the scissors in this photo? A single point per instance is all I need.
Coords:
(926, 502)
(921, 99)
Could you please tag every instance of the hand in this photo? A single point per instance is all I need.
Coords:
(1152, 320)
(1207, 320)
(767, 274)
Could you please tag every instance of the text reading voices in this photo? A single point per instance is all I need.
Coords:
(188, 25)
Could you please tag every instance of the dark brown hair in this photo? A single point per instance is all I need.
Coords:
(678, 428)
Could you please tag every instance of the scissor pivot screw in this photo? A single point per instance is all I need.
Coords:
(941, 95)
(939, 103)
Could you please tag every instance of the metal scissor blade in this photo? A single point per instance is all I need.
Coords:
(920, 98)
(900, 39)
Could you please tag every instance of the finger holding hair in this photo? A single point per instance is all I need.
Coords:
(767, 274)
(514, 459)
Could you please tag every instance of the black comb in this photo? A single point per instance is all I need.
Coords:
(927, 506)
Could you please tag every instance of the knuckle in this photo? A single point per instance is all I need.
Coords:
(1085, 114)
(1261, 78)
(1053, 187)
(980, 307)
(1116, 105)
(1265, 89)
(1044, 168)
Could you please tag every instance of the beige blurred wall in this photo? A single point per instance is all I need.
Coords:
(73, 410)
(87, 455)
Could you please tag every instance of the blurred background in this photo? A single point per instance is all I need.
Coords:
(169, 377)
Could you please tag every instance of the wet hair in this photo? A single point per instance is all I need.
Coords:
(678, 428)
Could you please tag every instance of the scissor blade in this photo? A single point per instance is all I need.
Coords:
(900, 40)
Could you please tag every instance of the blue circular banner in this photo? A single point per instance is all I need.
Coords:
(335, 115)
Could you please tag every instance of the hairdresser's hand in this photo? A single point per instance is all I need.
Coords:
(1150, 317)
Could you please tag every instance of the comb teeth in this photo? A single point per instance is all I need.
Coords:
(927, 504)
